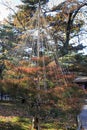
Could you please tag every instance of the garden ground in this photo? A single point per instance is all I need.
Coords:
(14, 116)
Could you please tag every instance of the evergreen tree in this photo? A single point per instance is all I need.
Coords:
(65, 25)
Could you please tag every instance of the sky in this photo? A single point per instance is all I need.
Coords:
(4, 11)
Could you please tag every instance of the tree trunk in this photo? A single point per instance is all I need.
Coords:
(35, 123)
(1, 96)
(68, 31)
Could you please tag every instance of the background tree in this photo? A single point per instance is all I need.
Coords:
(7, 42)
(65, 24)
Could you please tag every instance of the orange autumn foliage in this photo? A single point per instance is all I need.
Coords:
(27, 70)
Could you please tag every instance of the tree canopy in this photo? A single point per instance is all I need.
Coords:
(63, 26)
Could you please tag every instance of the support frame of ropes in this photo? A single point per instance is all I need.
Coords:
(40, 39)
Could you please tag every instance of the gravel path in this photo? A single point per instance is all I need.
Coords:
(82, 118)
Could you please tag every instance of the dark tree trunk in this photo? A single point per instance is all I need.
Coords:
(68, 31)
(1, 95)
(35, 123)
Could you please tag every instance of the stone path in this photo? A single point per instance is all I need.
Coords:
(82, 118)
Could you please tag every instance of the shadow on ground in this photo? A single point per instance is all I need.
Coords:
(10, 126)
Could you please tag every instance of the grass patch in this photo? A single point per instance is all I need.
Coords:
(13, 117)
(14, 123)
